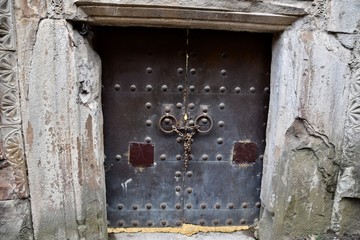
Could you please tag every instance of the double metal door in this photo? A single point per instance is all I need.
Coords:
(184, 125)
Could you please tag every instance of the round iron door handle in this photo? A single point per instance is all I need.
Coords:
(162, 121)
(208, 119)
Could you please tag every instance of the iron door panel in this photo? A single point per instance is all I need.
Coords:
(229, 73)
(141, 79)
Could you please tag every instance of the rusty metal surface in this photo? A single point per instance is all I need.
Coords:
(149, 84)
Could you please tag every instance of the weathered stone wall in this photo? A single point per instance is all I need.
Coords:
(311, 180)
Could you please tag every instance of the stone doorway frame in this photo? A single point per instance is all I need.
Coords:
(67, 126)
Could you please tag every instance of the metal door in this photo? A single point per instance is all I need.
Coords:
(184, 125)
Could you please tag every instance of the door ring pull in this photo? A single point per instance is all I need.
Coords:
(201, 118)
(167, 119)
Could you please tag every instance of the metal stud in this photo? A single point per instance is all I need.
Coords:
(178, 157)
(207, 88)
(163, 205)
(149, 70)
(192, 71)
(178, 188)
(229, 221)
(231, 205)
(244, 205)
(217, 205)
(191, 122)
(148, 122)
(237, 90)
(149, 88)
(148, 105)
(258, 204)
(179, 139)
(164, 88)
(222, 89)
(220, 141)
(118, 157)
(178, 174)
(215, 222)
(167, 109)
(221, 105)
(203, 205)
(180, 88)
(189, 206)
(178, 223)
(121, 223)
(163, 222)
(180, 71)
(149, 223)
(120, 206)
(242, 221)
(162, 157)
(191, 157)
(219, 157)
(192, 88)
(205, 110)
(148, 206)
(135, 207)
(261, 157)
(178, 105)
(178, 206)
(117, 87)
(191, 105)
(189, 190)
(221, 123)
(252, 90)
(205, 157)
(189, 174)
(133, 88)
(167, 121)
(201, 221)
(223, 72)
(224, 55)
(204, 121)
(266, 90)
(148, 139)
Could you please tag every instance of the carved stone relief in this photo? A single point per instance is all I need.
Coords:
(7, 40)
(56, 9)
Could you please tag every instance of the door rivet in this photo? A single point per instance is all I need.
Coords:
(180, 88)
(205, 110)
(192, 71)
(266, 90)
(217, 205)
(205, 157)
(178, 174)
(191, 105)
(167, 109)
(148, 122)
(221, 105)
(231, 205)
(178, 157)
(219, 157)
(237, 90)
(178, 223)
(178, 105)
(215, 222)
(191, 122)
(242, 221)
(149, 223)
(221, 123)
(148, 105)
(120, 206)
(229, 221)
(252, 89)
(117, 87)
(203, 205)
(192, 88)
(189, 190)
(148, 139)
(148, 70)
(223, 72)
(164, 88)
(149, 88)
(180, 71)
(224, 55)
(202, 222)
(178, 206)
(118, 157)
(258, 204)
(177, 188)
(222, 89)
(163, 205)
(163, 222)
(148, 206)
(163, 157)
(207, 88)
(121, 223)
(135, 207)
(179, 139)
(244, 205)
(204, 120)
(220, 140)
(189, 173)
(132, 87)
(261, 157)
(188, 205)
